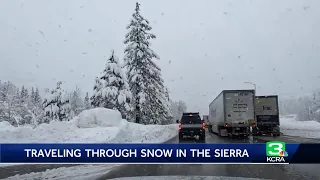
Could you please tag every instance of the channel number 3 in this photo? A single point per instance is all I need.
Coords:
(274, 148)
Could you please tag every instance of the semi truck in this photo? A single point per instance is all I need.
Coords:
(231, 113)
(267, 115)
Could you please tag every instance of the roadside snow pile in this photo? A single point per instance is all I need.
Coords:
(290, 125)
(83, 172)
(98, 117)
(97, 125)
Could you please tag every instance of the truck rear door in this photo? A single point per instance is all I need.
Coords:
(266, 109)
(239, 108)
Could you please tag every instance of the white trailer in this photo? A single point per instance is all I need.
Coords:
(231, 112)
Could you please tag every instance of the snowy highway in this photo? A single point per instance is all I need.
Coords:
(290, 172)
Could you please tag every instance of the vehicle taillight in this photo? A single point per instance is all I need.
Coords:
(203, 125)
(227, 125)
(179, 126)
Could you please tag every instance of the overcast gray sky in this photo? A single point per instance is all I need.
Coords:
(205, 46)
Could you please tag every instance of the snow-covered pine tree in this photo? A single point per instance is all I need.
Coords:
(9, 106)
(24, 95)
(168, 107)
(182, 107)
(144, 76)
(112, 90)
(34, 108)
(37, 97)
(87, 104)
(32, 95)
(96, 99)
(76, 101)
(17, 97)
(57, 104)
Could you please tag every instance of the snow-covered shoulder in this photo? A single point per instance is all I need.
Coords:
(98, 125)
(290, 125)
(83, 172)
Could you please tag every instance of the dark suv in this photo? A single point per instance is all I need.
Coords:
(191, 125)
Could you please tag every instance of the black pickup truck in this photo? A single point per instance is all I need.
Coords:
(191, 125)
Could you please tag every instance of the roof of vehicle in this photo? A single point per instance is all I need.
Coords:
(232, 91)
(268, 96)
(190, 113)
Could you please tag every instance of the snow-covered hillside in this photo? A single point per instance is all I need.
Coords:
(290, 125)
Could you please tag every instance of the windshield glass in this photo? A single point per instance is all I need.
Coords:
(113, 72)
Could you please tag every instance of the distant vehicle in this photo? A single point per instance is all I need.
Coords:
(206, 119)
(231, 113)
(267, 115)
(191, 125)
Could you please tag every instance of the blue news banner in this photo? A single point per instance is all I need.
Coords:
(271, 152)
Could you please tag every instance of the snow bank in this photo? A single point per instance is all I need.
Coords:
(98, 117)
(97, 125)
(84, 172)
(291, 126)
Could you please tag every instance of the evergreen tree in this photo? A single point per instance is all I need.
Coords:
(57, 104)
(76, 101)
(9, 103)
(24, 95)
(17, 97)
(96, 98)
(32, 96)
(87, 104)
(168, 107)
(182, 107)
(144, 76)
(35, 108)
(37, 97)
(113, 91)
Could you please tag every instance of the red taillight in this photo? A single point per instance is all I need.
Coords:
(227, 125)
(179, 126)
(203, 125)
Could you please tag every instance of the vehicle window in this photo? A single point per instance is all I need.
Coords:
(191, 119)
